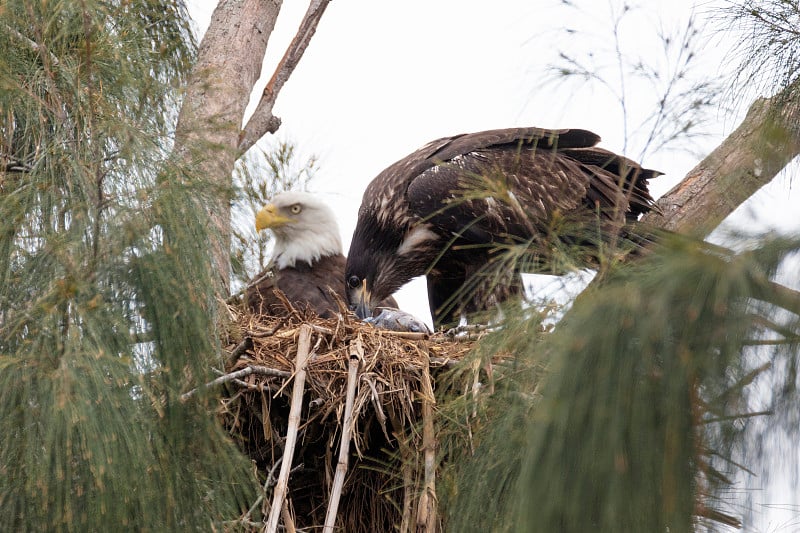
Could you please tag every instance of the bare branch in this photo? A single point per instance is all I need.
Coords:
(237, 375)
(36, 47)
(263, 121)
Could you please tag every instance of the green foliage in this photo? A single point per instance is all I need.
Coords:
(480, 434)
(646, 408)
(106, 294)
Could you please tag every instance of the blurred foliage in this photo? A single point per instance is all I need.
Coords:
(106, 293)
(637, 412)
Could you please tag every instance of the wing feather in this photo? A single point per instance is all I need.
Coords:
(513, 188)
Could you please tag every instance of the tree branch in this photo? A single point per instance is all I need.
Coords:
(36, 47)
(750, 157)
(263, 121)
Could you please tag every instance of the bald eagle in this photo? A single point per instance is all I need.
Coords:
(449, 209)
(307, 261)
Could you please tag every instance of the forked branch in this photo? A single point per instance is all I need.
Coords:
(263, 121)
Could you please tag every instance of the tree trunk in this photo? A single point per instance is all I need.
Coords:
(207, 135)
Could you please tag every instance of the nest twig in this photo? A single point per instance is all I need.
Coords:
(356, 354)
(426, 512)
(377, 481)
(303, 348)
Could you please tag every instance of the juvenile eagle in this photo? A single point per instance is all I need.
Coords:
(447, 209)
(307, 261)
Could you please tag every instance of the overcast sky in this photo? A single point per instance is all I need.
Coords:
(381, 79)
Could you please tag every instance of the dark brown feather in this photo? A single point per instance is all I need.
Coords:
(474, 194)
(307, 288)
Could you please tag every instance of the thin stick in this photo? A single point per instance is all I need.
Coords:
(408, 458)
(408, 486)
(356, 355)
(426, 512)
(237, 375)
(376, 402)
(317, 329)
(261, 333)
(288, 522)
(241, 349)
(303, 348)
(410, 335)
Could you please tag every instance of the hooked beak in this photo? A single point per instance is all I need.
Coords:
(270, 218)
(360, 298)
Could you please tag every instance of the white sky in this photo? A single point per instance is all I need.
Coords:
(381, 79)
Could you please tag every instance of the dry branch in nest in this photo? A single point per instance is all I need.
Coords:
(361, 455)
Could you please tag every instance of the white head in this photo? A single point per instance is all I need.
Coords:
(305, 228)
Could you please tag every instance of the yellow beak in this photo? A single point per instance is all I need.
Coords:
(270, 218)
(360, 298)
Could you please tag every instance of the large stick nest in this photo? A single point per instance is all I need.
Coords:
(389, 483)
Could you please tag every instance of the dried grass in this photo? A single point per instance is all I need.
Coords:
(389, 481)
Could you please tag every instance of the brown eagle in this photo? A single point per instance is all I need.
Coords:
(449, 209)
(307, 261)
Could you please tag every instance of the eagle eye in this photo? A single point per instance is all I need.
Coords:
(353, 282)
(295, 209)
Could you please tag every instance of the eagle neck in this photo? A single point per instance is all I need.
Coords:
(307, 248)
